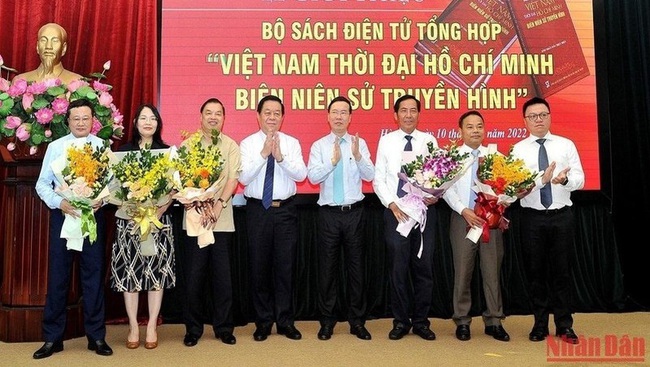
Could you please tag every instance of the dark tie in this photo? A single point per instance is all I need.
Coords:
(407, 148)
(545, 193)
(267, 194)
(472, 194)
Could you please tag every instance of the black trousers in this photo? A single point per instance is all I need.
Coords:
(91, 266)
(340, 230)
(272, 243)
(411, 309)
(213, 261)
(547, 241)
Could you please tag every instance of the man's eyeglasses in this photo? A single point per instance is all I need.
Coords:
(534, 117)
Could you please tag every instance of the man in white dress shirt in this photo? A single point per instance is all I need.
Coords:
(338, 162)
(547, 223)
(60, 259)
(464, 250)
(272, 163)
(403, 251)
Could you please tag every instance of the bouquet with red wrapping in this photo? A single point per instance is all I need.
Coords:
(501, 181)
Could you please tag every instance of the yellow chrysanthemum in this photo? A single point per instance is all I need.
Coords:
(198, 165)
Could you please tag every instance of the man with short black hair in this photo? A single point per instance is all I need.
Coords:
(339, 162)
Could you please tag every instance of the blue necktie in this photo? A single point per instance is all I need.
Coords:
(472, 194)
(407, 148)
(267, 194)
(339, 193)
(542, 160)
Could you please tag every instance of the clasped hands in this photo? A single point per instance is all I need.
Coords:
(548, 177)
(354, 149)
(272, 147)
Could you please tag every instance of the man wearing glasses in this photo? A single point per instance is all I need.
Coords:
(547, 220)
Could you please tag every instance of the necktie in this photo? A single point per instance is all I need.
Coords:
(542, 160)
(267, 194)
(407, 148)
(472, 194)
(339, 195)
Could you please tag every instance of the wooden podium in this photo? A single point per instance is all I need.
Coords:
(24, 220)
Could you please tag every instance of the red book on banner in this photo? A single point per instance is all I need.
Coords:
(471, 20)
(544, 27)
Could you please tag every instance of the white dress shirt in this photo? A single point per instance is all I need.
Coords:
(457, 196)
(292, 169)
(563, 152)
(320, 169)
(389, 161)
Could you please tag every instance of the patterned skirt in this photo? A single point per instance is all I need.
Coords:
(132, 272)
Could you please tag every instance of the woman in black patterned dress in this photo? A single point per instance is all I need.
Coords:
(132, 272)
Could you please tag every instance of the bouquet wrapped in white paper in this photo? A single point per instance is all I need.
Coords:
(83, 173)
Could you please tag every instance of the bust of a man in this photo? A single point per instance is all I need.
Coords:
(50, 46)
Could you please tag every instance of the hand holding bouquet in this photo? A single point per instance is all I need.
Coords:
(199, 169)
(428, 175)
(501, 180)
(84, 174)
(142, 188)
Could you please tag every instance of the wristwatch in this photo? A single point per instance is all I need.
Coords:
(224, 204)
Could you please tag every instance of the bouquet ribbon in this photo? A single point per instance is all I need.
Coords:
(145, 218)
(488, 209)
(194, 220)
(413, 206)
(74, 230)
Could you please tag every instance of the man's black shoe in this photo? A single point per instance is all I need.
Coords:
(48, 349)
(567, 335)
(538, 334)
(498, 333)
(227, 337)
(325, 332)
(100, 347)
(190, 340)
(261, 333)
(424, 332)
(360, 331)
(290, 332)
(398, 332)
(463, 333)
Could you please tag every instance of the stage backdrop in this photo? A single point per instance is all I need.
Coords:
(489, 55)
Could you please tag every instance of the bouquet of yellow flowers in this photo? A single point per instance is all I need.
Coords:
(501, 179)
(142, 184)
(84, 173)
(504, 177)
(428, 175)
(198, 171)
